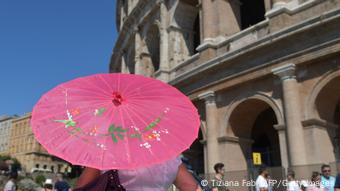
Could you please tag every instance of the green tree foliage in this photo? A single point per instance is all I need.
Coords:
(40, 179)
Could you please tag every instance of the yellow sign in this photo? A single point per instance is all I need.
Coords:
(257, 158)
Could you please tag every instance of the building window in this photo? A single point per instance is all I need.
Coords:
(252, 12)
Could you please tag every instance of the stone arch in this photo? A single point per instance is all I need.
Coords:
(311, 110)
(259, 96)
(322, 110)
(186, 18)
(251, 123)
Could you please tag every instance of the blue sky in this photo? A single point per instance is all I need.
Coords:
(46, 42)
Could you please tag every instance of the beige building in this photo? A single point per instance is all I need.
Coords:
(265, 75)
(5, 129)
(31, 155)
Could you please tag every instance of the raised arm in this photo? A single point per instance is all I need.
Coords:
(87, 176)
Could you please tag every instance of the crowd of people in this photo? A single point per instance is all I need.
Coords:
(318, 182)
(59, 185)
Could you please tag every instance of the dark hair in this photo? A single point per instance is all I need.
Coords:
(325, 166)
(218, 166)
(291, 173)
(13, 175)
(262, 169)
(48, 186)
(314, 175)
(60, 175)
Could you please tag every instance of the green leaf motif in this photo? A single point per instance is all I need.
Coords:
(116, 131)
(136, 135)
(67, 123)
(152, 124)
(100, 111)
(75, 130)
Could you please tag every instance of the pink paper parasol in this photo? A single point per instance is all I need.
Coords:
(115, 121)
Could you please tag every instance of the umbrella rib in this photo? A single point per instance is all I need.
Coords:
(112, 109)
(127, 86)
(93, 86)
(141, 119)
(106, 84)
(93, 92)
(170, 121)
(53, 103)
(152, 84)
(133, 92)
(64, 112)
(127, 141)
(164, 145)
(131, 119)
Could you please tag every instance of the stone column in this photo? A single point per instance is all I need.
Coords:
(292, 111)
(163, 36)
(164, 43)
(229, 17)
(178, 53)
(210, 20)
(146, 66)
(281, 130)
(212, 130)
(138, 52)
(124, 68)
(279, 3)
(275, 4)
(220, 18)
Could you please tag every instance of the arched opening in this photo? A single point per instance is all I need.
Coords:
(327, 100)
(327, 105)
(265, 137)
(252, 122)
(337, 114)
(252, 12)
(197, 36)
(153, 45)
(187, 20)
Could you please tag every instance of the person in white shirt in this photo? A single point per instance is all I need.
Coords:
(292, 184)
(10, 185)
(261, 183)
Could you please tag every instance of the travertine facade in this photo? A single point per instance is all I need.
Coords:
(264, 74)
(5, 129)
(28, 151)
